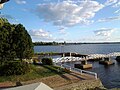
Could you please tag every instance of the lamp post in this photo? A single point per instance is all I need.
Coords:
(62, 50)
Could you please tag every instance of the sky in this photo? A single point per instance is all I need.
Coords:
(66, 20)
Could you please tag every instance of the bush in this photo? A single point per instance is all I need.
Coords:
(14, 68)
(47, 61)
(35, 61)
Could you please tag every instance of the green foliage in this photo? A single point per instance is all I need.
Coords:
(14, 68)
(47, 61)
(15, 42)
(47, 43)
(6, 46)
(23, 42)
(35, 61)
(3, 21)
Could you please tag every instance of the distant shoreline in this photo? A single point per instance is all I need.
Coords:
(60, 44)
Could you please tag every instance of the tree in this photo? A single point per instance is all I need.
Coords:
(3, 21)
(24, 46)
(6, 50)
(15, 42)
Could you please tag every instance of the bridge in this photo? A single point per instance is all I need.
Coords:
(88, 57)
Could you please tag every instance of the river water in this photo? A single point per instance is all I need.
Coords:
(109, 75)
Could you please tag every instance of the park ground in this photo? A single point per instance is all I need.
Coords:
(47, 75)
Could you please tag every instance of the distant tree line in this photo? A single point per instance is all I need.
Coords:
(64, 43)
(53, 43)
(49, 43)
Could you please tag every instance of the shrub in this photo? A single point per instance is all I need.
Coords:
(35, 61)
(14, 68)
(47, 61)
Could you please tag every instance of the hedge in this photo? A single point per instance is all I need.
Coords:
(14, 68)
(47, 61)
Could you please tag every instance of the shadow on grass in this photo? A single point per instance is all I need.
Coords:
(61, 72)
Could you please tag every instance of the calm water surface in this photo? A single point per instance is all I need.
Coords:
(109, 75)
(83, 48)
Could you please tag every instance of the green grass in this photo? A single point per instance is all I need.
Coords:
(38, 71)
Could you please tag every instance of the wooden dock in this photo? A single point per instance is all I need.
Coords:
(73, 57)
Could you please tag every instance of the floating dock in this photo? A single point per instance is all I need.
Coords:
(106, 61)
(83, 65)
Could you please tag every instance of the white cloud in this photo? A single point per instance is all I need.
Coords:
(117, 11)
(114, 4)
(117, 4)
(62, 31)
(68, 13)
(20, 1)
(40, 34)
(105, 32)
(109, 19)
(111, 2)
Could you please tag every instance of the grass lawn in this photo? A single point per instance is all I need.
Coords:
(38, 71)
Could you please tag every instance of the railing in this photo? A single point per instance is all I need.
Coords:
(87, 72)
(78, 70)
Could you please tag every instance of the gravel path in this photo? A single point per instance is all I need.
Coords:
(62, 80)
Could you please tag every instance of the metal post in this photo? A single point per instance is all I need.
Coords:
(81, 71)
(96, 76)
(70, 69)
(70, 54)
(109, 58)
(62, 48)
(63, 55)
